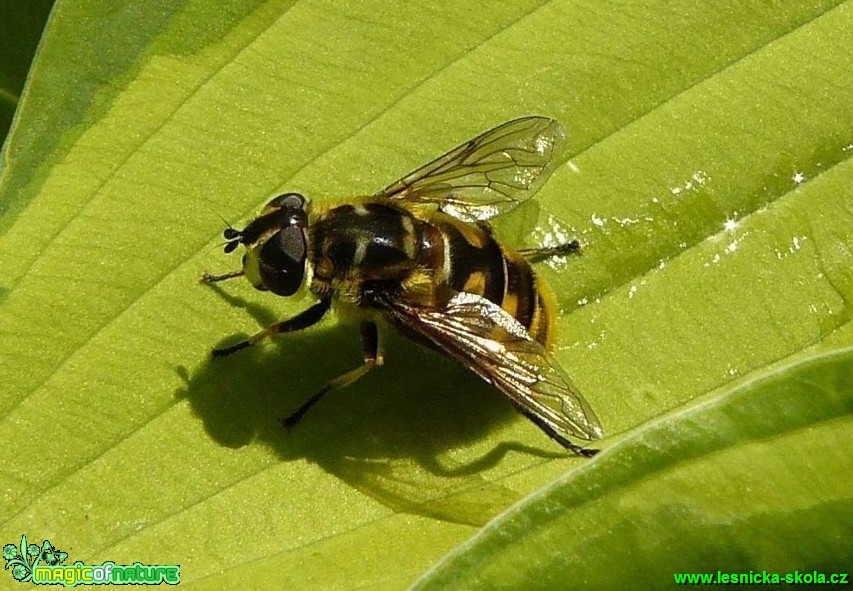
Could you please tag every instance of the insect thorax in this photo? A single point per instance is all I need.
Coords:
(431, 256)
(355, 243)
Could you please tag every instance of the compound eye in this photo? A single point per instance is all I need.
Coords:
(292, 243)
(288, 201)
(282, 261)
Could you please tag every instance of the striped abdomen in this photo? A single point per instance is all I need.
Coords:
(467, 258)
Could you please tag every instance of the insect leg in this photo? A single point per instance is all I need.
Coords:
(302, 320)
(573, 447)
(372, 358)
(208, 278)
(544, 252)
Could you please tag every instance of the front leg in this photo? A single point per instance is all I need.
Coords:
(208, 278)
(303, 320)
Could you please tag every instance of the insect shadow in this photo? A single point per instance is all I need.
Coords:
(391, 435)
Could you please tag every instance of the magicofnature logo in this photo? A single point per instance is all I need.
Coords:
(43, 565)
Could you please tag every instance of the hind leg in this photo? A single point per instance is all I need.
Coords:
(543, 252)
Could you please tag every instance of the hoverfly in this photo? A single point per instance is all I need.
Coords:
(420, 255)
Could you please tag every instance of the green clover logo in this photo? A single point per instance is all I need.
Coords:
(24, 558)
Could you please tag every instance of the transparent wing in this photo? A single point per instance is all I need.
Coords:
(494, 345)
(488, 175)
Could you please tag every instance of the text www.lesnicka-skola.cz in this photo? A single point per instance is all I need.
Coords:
(761, 578)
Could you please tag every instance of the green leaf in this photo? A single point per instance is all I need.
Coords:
(707, 175)
(22, 24)
(729, 484)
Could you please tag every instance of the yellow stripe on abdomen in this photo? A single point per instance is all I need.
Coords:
(543, 325)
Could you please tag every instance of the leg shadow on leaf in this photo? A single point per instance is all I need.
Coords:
(403, 434)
